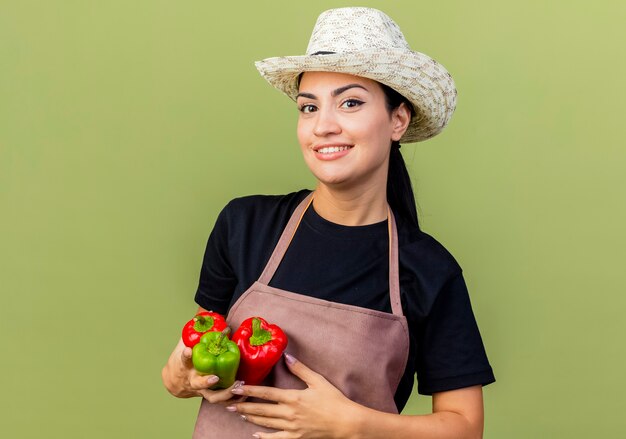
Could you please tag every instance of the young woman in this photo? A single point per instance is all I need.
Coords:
(367, 299)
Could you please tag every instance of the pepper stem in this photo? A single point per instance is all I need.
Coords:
(223, 334)
(218, 347)
(203, 323)
(259, 336)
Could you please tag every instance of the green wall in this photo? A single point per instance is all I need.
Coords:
(125, 126)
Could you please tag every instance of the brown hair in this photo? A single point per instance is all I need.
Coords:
(400, 194)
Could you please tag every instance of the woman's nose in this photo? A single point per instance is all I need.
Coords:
(326, 123)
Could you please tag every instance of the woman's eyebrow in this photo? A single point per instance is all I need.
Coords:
(334, 93)
(306, 95)
(340, 90)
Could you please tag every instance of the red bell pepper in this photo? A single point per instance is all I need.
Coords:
(203, 322)
(261, 346)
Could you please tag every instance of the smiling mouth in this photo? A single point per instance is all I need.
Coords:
(331, 149)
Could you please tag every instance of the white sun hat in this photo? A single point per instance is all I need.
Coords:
(366, 42)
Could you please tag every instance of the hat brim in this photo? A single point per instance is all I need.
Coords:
(416, 76)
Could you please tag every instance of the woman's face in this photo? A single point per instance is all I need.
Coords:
(345, 130)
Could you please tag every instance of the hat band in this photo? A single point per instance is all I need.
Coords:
(323, 52)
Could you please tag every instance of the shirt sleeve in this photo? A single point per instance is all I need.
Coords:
(217, 277)
(450, 353)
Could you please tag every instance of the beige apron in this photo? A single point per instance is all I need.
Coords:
(363, 352)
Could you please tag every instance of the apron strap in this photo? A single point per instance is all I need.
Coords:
(285, 240)
(394, 269)
(290, 230)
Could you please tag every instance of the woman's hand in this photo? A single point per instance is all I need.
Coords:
(320, 411)
(182, 380)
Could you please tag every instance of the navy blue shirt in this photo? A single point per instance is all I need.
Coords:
(350, 264)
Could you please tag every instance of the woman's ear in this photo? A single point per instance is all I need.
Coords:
(400, 118)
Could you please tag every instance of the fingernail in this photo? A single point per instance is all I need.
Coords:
(231, 408)
(239, 384)
(256, 436)
(237, 391)
(290, 359)
(212, 379)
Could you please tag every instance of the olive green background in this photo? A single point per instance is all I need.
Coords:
(125, 126)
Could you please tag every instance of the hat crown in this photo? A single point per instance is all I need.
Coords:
(345, 30)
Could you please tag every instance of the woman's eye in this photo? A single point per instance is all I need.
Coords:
(351, 103)
(307, 108)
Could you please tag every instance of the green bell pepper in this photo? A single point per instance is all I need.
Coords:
(216, 355)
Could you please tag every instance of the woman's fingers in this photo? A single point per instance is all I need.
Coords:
(297, 412)
(277, 435)
(267, 393)
(310, 377)
(215, 396)
(219, 395)
(275, 423)
(202, 382)
(276, 416)
(262, 410)
(185, 357)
